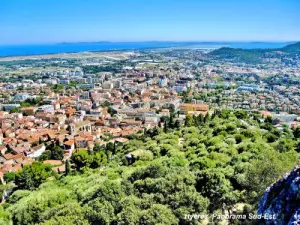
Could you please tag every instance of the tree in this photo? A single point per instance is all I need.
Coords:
(297, 146)
(200, 118)
(57, 88)
(212, 183)
(165, 127)
(269, 120)
(265, 170)
(297, 132)
(111, 147)
(206, 118)
(80, 159)
(40, 141)
(158, 214)
(188, 120)
(57, 153)
(240, 114)
(46, 155)
(15, 110)
(10, 176)
(98, 159)
(83, 159)
(97, 148)
(284, 145)
(68, 168)
(53, 152)
(177, 124)
(5, 217)
(171, 121)
(100, 212)
(31, 176)
(111, 111)
(3, 190)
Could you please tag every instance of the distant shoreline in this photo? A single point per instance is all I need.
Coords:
(82, 47)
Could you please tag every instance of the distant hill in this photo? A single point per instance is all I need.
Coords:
(251, 55)
(76, 43)
(292, 48)
(237, 55)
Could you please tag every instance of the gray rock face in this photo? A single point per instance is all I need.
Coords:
(282, 199)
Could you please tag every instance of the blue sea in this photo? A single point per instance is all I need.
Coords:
(22, 50)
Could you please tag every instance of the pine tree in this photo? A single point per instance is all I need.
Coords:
(114, 148)
(171, 120)
(201, 118)
(206, 118)
(68, 168)
(165, 126)
(177, 124)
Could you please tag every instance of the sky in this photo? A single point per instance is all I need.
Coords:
(54, 21)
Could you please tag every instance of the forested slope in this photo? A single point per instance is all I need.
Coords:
(207, 165)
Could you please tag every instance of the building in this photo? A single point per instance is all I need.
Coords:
(163, 81)
(46, 109)
(249, 87)
(8, 107)
(20, 97)
(80, 126)
(188, 107)
(36, 151)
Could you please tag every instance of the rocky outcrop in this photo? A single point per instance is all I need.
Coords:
(282, 200)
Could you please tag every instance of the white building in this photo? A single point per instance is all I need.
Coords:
(36, 151)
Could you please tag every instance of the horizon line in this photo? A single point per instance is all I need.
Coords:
(149, 41)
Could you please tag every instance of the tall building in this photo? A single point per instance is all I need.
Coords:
(163, 81)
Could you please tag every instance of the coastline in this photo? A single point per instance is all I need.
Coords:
(22, 52)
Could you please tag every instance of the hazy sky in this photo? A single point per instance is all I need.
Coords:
(51, 21)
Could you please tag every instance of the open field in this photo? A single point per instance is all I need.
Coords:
(82, 55)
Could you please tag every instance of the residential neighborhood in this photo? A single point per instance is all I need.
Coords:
(76, 105)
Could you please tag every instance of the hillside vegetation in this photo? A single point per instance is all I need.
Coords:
(253, 56)
(208, 165)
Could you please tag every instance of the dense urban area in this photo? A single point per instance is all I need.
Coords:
(157, 136)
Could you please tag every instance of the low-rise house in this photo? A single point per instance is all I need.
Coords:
(69, 146)
(84, 126)
(188, 107)
(36, 151)
(81, 142)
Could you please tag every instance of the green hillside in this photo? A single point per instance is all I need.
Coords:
(237, 55)
(208, 165)
(292, 48)
(252, 56)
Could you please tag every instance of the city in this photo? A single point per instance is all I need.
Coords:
(149, 113)
(103, 97)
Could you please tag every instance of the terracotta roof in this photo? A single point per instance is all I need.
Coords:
(203, 107)
(35, 148)
(17, 167)
(53, 162)
(265, 113)
(59, 169)
(121, 140)
(7, 168)
(70, 111)
(29, 108)
(12, 156)
(28, 161)
(69, 142)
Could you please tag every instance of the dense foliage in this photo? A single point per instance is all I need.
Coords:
(211, 164)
